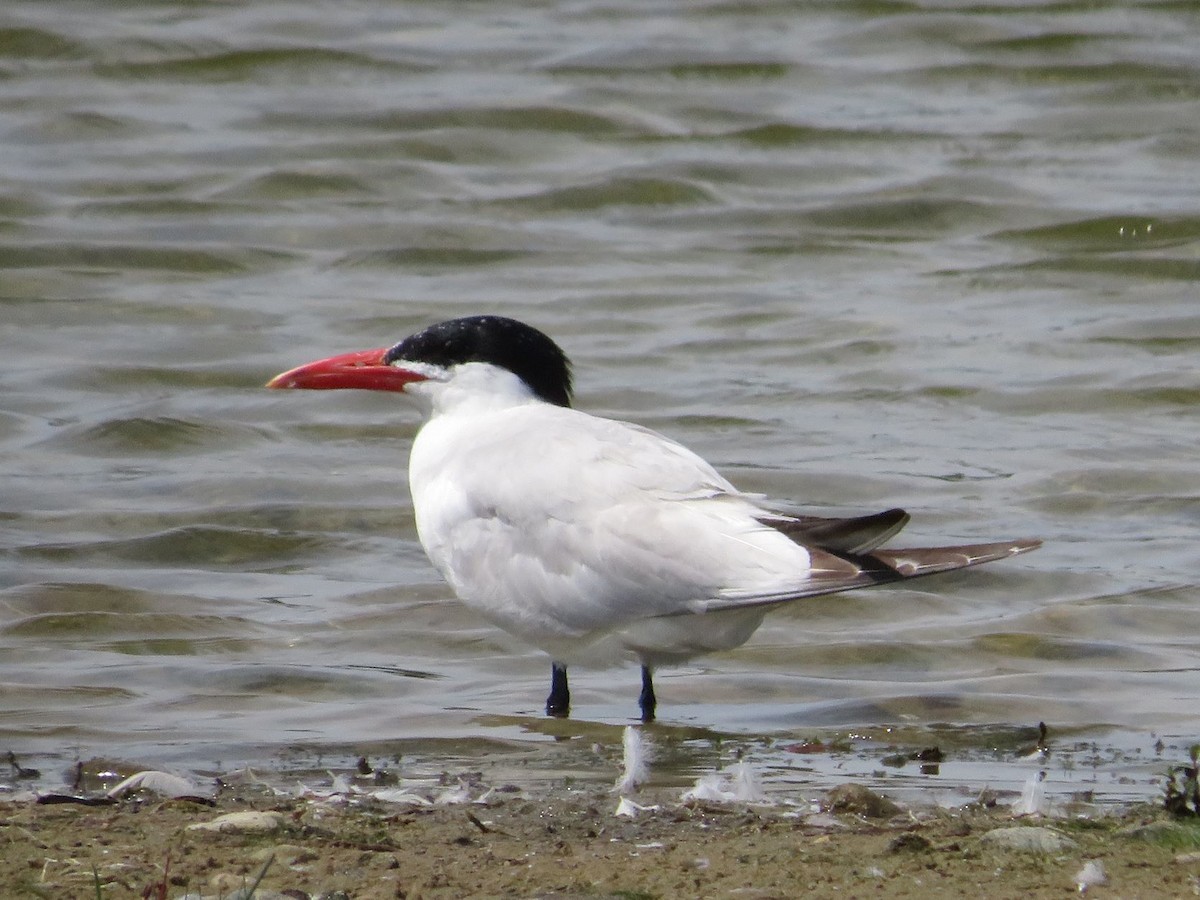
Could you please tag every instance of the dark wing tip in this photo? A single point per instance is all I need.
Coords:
(858, 534)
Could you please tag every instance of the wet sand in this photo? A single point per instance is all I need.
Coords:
(462, 838)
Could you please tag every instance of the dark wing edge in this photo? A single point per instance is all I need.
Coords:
(856, 535)
(836, 572)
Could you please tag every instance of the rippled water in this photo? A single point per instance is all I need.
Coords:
(859, 254)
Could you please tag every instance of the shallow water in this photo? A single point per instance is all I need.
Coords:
(860, 255)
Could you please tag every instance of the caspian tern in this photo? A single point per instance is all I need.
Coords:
(597, 540)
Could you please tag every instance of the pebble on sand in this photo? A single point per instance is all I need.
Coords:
(245, 822)
(1029, 838)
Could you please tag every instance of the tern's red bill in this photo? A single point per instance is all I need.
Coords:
(363, 369)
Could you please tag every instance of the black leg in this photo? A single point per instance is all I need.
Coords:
(558, 704)
(647, 701)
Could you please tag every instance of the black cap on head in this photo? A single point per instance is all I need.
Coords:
(503, 342)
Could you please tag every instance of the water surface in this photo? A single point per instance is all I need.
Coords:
(941, 256)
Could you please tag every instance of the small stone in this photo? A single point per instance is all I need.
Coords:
(283, 854)
(1154, 832)
(909, 842)
(1028, 838)
(244, 893)
(824, 820)
(859, 800)
(226, 882)
(247, 822)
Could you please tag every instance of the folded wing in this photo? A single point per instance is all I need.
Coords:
(834, 570)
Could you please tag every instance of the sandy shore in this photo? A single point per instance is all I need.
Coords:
(460, 839)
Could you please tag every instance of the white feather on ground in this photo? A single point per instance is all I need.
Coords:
(629, 810)
(1034, 801)
(1092, 874)
(739, 784)
(163, 783)
(635, 762)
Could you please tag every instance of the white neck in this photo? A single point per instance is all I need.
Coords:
(472, 388)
